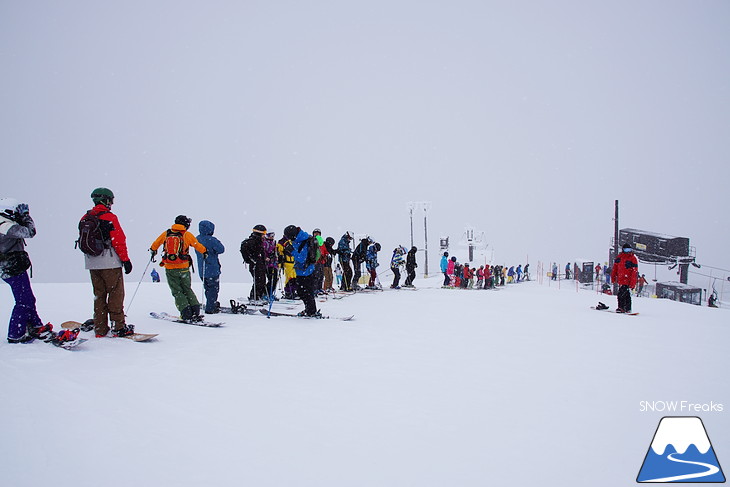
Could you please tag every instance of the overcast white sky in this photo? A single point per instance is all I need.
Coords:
(524, 119)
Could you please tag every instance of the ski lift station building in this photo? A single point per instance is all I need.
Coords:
(679, 292)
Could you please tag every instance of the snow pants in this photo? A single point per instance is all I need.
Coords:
(396, 276)
(346, 276)
(180, 284)
(411, 275)
(108, 287)
(624, 298)
(447, 279)
(305, 286)
(258, 290)
(328, 278)
(272, 279)
(212, 286)
(24, 312)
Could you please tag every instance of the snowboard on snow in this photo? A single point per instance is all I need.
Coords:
(612, 311)
(177, 319)
(137, 337)
(292, 315)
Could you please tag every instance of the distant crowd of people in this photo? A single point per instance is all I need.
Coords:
(465, 276)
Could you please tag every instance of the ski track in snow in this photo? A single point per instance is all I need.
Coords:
(711, 470)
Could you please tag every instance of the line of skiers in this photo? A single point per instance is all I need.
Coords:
(457, 275)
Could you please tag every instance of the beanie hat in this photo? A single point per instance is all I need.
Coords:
(291, 232)
(183, 220)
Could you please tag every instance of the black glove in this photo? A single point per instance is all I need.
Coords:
(153, 253)
(127, 266)
(205, 254)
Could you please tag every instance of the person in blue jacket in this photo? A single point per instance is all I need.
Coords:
(304, 268)
(444, 268)
(210, 266)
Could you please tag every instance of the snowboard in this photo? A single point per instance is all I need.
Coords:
(137, 337)
(177, 319)
(291, 315)
(610, 311)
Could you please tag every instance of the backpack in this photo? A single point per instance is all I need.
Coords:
(93, 234)
(248, 251)
(173, 248)
(313, 252)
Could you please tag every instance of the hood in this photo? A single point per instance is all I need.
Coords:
(206, 227)
(178, 228)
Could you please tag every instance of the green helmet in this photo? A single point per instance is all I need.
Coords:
(103, 196)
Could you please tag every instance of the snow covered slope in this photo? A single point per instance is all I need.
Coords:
(521, 386)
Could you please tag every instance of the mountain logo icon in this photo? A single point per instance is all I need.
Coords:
(681, 452)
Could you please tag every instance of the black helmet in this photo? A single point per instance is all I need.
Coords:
(103, 196)
(291, 232)
(627, 247)
(377, 246)
(414, 249)
(329, 241)
(183, 220)
(446, 254)
(259, 229)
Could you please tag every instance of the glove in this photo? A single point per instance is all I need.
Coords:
(205, 255)
(22, 209)
(153, 254)
(127, 266)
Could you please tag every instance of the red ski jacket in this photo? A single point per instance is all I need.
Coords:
(625, 269)
(118, 239)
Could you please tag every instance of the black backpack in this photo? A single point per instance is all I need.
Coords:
(93, 234)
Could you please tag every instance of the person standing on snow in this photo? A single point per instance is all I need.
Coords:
(396, 262)
(411, 267)
(344, 253)
(16, 225)
(210, 266)
(304, 267)
(625, 274)
(252, 251)
(177, 261)
(272, 265)
(371, 264)
(444, 265)
(106, 269)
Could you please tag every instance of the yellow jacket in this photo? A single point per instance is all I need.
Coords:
(189, 240)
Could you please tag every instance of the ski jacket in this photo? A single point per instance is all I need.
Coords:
(397, 260)
(188, 240)
(444, 263)
(480, 274)
(300, 249)
(360, 254)
(343, 249)
(411, 260)
(450, 267)
(210, 266)
(270, 255)
(284, 249)
(371, 258)
(625, 269)
(468, 272)
(112, 231)
(252, 249)
(14, 259)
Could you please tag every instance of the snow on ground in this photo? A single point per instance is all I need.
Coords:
(522, 386)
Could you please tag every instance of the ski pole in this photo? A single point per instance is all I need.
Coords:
(144, 273)
(271, 295)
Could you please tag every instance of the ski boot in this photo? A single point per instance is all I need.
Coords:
(601, 306)
(23, 339)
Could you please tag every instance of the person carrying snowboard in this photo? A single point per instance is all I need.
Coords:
(16, 225)
(105, 264)
(177, 262)
(210, 266)
(625, 274)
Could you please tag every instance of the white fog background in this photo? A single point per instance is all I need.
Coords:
(523, 119)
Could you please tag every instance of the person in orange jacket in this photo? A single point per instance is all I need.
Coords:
(625, 274)
(177, 262)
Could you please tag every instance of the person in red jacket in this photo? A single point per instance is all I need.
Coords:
(625, 273)
(106, 269)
